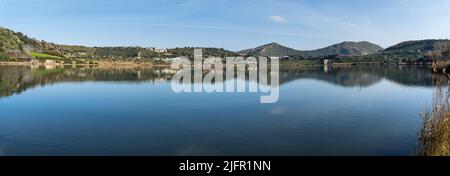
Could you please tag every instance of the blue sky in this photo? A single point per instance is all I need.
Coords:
(229, 24)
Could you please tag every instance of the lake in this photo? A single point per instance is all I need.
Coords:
(346, 110)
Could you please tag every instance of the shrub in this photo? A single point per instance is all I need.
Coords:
(3, 56)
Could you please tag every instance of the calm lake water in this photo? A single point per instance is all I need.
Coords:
(357, 110)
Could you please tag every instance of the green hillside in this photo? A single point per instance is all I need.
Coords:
(15, 45)
(415, 51)
(419, 46)
(44, 56)
(345, 49)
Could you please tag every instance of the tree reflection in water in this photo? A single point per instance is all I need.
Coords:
(16, 79)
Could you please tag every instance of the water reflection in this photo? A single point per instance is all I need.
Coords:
(362, 76)
(345, 110)
(16, 79)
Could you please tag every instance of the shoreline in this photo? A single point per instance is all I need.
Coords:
(99, 64)
(114, 64)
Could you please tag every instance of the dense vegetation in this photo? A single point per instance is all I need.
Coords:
(207, 52)
(44, 56)
(345, 49)
(430, 49)
(419, 46)
(15, 46)
(3, 56)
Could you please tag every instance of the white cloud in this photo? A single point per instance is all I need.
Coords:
(277, 19)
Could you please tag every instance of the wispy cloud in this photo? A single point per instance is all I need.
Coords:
(277, 19)
(211, 27)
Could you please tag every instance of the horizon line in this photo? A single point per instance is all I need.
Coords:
(140, 46)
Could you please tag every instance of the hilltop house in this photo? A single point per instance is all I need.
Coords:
(159, 50)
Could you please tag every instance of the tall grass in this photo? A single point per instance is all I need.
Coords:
(434, 136)
(441, 66)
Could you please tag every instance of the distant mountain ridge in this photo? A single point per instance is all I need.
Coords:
(344, 48)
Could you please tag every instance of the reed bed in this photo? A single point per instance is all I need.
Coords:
(441, 66)
(434, 136)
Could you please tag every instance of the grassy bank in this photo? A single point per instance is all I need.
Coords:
(434, 137)
(45, 56)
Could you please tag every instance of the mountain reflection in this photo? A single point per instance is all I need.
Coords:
(362, 76)
(16, 79)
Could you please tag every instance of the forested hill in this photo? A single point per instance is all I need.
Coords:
(345, 49)
(421, 47)
(19, 46)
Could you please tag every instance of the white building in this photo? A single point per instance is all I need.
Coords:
(159, 50)
(50, 62)
(327, 62)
